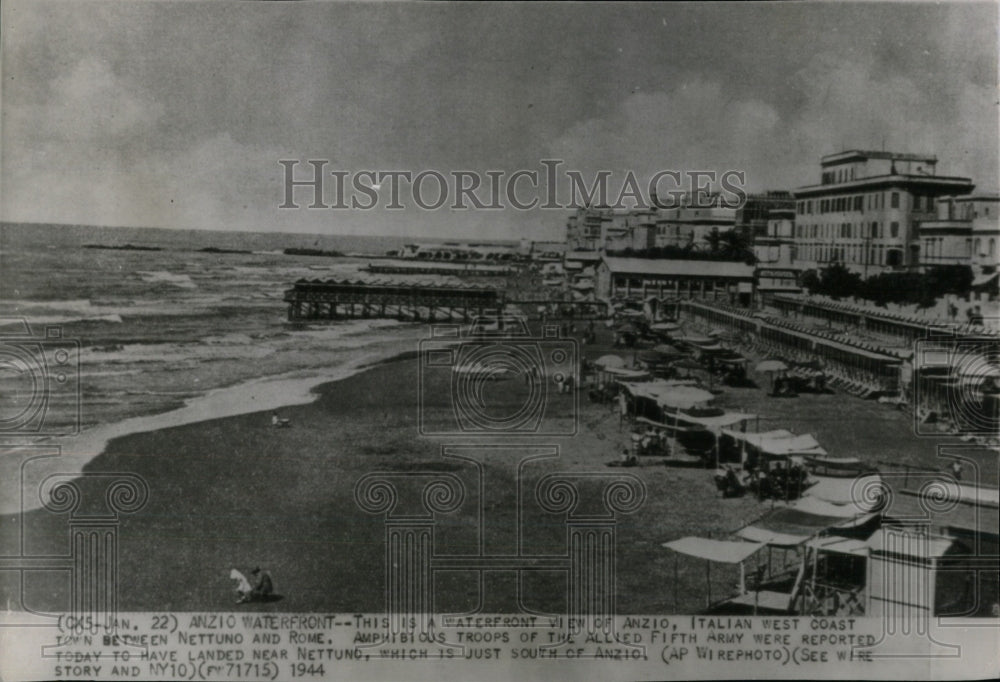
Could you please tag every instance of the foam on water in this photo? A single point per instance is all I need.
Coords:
(158, 276)
(256, 395)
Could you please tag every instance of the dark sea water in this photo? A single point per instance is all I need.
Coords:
(160, 329)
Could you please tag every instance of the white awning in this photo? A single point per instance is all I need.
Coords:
(980, 280)
(779, 442)
(903, 544)
(850, 492)
(839, 545)
(722, 551)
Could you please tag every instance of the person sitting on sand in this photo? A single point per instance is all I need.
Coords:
(243, 588)
(956, 469)
(264, 587)
(627, 459)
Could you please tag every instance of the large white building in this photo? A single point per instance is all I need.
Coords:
(868, 210)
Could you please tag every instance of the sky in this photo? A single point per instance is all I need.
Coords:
(168, 113)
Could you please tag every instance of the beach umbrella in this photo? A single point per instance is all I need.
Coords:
(627, 328)
(771, 366)
(609, 361)
(650, 357)
(665, 327)
(684, 397)
(666, 349)
(686, 363)
(721, 334)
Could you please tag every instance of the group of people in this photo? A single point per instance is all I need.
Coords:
(652, 442)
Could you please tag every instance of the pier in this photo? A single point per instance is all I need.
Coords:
(440, 269)
(333, 299)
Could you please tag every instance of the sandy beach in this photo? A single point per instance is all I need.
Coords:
(235, 492)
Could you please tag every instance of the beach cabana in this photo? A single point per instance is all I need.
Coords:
(789, 529)
(713, 551)
(776, 443)
(714, 425)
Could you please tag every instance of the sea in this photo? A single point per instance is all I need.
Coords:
(157, 338)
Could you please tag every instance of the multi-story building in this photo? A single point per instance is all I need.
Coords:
(777, 271)
(591, 228)
(752, 217)
(688, 223)
(867, 210)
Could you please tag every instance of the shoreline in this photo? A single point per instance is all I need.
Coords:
(261, 394)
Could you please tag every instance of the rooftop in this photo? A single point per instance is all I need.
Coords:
(951, 183)
(856, 154)
(691, 268)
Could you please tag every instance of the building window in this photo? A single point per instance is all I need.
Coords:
(894, 229)
(993, 246)
(894, 199)
(979, 245)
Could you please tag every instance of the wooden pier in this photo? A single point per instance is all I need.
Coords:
(421, 269)
(333, 300)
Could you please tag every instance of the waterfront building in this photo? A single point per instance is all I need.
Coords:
(774, 250)
(642, 278)
(868, 208)
(751, 219)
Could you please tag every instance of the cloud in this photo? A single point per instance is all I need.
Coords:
(697, 126)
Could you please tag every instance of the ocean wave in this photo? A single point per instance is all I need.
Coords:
(260, 394)
(165, 277)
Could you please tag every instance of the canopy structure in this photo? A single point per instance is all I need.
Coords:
(720, 551)
(661, 390)
(792, 526)
(779, 442)
(696, 340)
(623, 374)
(684, 397)
(716, 424)
(607, 361)
(836, 544)
(686, 363)
(665, 327)
(771, 366)
(847, 491)
(666, 349)
(928, 547)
